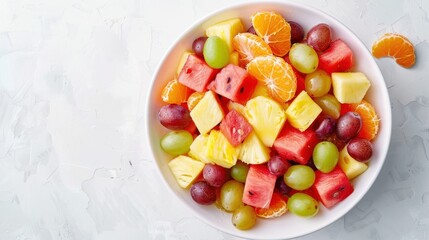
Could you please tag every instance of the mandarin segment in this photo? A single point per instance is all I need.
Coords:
(370, 120)
(250, 46)
(275, 31)
(396, 46)
(276, 74)
(193, 99)
(175, 92)
(277, 207)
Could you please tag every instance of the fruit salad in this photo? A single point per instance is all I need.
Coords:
(267, 121)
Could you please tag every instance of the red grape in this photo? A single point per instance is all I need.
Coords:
(282, 187)
(203, 193)
(215, 175)
(325, 128)
(198, 46)
(296, 32)
(360, 149)
(252, 30)
(277, 165)
(319, 37)
(174, 117)
(349, 125)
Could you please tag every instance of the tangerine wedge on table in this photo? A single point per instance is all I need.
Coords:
(396, 46)
(276, 74)
(275, 31)
(370, 120)
(278, 207)
(250, 46)
(175, 92)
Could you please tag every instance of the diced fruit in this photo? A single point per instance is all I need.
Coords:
(317, 83)
(348, 125)
(215, 175)
(370, 120)
(295, 145)
(303, 205)
(325, 156)
(277, 207)
(196, 74)
(185, 170)
(207, 113)
(278, 165)
(235, 127)
(182, 61)
(203, 193)
(350, 87)
(237, 107)
(174, 117)
(296, 32)
(244, 217)
(216, 52)
(260, 90)
(233, 58)
(319, 37)
(250, 46)
(198, 46)
(239, 171)
(303, 57)
(329, 105)
(337, 58)
(176, 142)
(233, 82)
(198, 149)
(231, 194)
(350, 166)
(302, 112)
(360, 149)
(220, 151)
(267, 118)
(253, 150)
(325, 128)
(175, 92)
(259, 186)
(299, 177)
(226, 30)
(193, 99)
(332, 187)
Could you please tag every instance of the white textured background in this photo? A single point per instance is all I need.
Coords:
(73, 160)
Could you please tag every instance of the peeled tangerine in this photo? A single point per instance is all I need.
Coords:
(350, 87)
(350, 166)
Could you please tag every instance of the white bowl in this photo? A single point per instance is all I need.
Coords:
(288, 226)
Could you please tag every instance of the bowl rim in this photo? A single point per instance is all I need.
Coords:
(387, 122)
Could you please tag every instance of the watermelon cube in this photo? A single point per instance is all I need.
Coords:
(259, 186)
(196, 74)
(234, 83)
(295, 145)
(332, 187)
(337, 58)
(235, 127)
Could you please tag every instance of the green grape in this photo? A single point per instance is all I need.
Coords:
(317, 83)
(325, 156)
(303, 205)
(303, 58)
(176, 142)
(216, 52)
(239, 171)
(244, 217)
(299, 177)
(231, 194)
(329, 105)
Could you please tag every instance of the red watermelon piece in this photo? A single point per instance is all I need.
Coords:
(337, 58)
(235, 127)
(259, 186)
(196, 74)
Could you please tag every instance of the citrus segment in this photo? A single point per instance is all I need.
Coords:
(250, 46)
(277, 207)
(175, 92)
(395, 46)
(276, 74)
(370, 120)
(275, 31)
(193, 99)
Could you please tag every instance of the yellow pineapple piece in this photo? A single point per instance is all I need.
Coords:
(182, 61)
(237, 107)
(207, 113)
(261, 90)
(350, 166)
(226, 30)
(185, 170)
(350, 87)
(198, 148)
(220, 151)
(267, 118)
(302, 111)
(253, 150)
(233, 58)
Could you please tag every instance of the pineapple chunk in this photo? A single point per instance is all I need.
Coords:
(253, 150)
(233, 58)
(237, 107)
(185, 170)
(207, 113)
(350, 87)
(302, 111)
(350, 166)
(267, 118)
(260, 90)
(220, 151)
(226, 30)
(198, 148)
(182, 61)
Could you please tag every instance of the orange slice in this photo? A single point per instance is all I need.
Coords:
(277, 207)
(395, 46)
(275, 31)
(175, 92)
(276, 74)
(193, 99)
(370, 120)
(250, 46)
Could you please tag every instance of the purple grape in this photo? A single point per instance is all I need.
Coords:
(326, 127)
(349, 125)
(296, 32)
(319, 37)
(215, 175)
(198, 46)
(252, 30)
(174, 117)
(282, 187)
(203, 193)
(360, 149)
(277, 165)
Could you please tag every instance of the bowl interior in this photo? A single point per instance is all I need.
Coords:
(288, 226)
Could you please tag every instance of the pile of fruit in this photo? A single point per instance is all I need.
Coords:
(267, 120)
